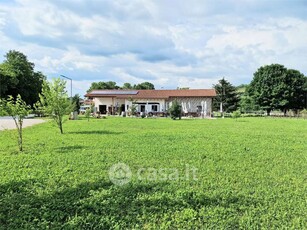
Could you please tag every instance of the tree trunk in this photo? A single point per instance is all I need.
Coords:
(268, 112)
(20, 139)
(20, 135)
(61, 126)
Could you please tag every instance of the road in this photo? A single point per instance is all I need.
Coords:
(8, 122)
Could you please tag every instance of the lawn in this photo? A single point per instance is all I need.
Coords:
(251, 174)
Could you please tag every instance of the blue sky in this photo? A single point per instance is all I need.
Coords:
(171, 43)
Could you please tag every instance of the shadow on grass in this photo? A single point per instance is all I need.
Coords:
(65, 149)
(101, 205)
(101, 132)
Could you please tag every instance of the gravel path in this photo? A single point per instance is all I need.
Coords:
(8, 123)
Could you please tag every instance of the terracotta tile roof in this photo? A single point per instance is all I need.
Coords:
(153, 94)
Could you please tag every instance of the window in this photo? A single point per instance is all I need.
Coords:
(154, 108)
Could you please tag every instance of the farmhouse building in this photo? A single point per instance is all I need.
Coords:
(193, 101)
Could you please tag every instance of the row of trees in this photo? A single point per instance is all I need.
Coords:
(53, 101)
(113, 85)
(274, 87)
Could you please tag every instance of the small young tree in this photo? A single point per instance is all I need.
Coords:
(55, 102)
(18, 110)
(88, 113)
(133, 108)
(175, 110)
(236, 114)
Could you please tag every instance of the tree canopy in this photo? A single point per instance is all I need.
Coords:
(54, 101)
(144, 85)
(113, 85)
(226, 94)
(17, 76)
(276, 87)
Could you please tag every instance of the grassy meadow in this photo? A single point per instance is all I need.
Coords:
(251, 174)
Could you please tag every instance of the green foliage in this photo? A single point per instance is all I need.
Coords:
(103, 85)
(175, 110)
(18, 110)
(54, 101)
(144, 85)
(249, 175)
(127, 86)
(133, 107)
(17, 76)
(275, 87)
(236, 114)
(7, 79)
(113, 85)
(87, 114)
(76, 102)
(226, 94)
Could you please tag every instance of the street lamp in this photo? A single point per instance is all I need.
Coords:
(70, 85)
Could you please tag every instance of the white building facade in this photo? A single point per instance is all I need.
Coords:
(193, 102)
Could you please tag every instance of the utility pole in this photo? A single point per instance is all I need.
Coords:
(70, 86)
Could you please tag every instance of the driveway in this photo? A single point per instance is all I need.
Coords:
(8, 122)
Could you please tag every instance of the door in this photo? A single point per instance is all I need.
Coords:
(142, 108)
(103, 109)
(123, 107)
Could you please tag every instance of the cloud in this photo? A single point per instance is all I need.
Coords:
(172, 44)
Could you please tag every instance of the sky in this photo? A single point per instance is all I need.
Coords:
(171, 43)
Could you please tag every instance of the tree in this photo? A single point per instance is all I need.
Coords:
(76, 102)
(18, 110)
(175, 110)
(247, 104)
(19, 77)
(275, 87)
(294, 94)
(144, 85)
(133, 107)
(88, 113)
(236, 114)
(305, 90)
(7, 79)
(226, 95)
(127, 86)
(103, 85)
(55, 102)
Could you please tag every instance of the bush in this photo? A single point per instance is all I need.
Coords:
(303, 113)
(236, 114)
(175, 110)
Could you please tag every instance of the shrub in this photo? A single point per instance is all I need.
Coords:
(175, 110)
(236, 114)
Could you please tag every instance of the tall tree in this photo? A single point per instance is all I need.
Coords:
(103, 85)
(76, 102)
(21, 78)
(54, 101)
(275, 87)
(226, 95)
(127, 86)
(7, 79)
(144, 85)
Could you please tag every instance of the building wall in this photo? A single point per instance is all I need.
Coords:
(159, 102)
(194, 102)
(108, 101)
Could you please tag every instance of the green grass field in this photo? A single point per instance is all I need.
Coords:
(252, 173)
